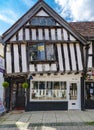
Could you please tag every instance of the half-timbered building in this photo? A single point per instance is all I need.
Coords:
(41, 48)
(86, 29)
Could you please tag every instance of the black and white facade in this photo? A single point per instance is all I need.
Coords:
(43, 50)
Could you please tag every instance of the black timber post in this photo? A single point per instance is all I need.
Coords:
(82, 94)
(27, 95)
(7, 94)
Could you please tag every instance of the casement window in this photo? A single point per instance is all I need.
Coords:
(42, 52)
(48, 90)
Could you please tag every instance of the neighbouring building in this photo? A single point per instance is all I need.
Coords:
(86, 29)
(41, 48)
(1, 70)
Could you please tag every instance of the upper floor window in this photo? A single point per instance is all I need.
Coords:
(42, 52)
(43, 21)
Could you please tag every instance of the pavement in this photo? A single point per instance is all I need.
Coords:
(48, 120)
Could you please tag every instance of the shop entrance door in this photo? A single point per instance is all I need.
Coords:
(74, 96)
(18, 96)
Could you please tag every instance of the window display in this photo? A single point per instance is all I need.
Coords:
(48, 91)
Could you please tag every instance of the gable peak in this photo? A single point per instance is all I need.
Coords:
(40, 0)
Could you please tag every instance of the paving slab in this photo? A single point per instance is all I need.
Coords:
(54, 120)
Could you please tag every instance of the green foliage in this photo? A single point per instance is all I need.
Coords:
(25, 85)
(5, 84)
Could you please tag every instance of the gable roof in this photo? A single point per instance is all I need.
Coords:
(41, 4)
(86, 29)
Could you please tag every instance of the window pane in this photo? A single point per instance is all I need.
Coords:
(50, 52)
(42, 21)
(33, 52)
(49, 90)
(73, 91)
(89, 91)
(41, 51)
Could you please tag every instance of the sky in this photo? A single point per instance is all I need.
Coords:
(70, 10)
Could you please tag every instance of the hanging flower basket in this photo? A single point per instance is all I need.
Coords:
(5, 84)
(25, 85)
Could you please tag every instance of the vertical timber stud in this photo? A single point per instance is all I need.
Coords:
(86, 63)
(12, 58)
(93, 54)
(82, 56)
(27, 55)
(63, 56)
(69, 54)
(5, 56)
(20, 57)
(56, 56)
(82, 94)
(76, 56)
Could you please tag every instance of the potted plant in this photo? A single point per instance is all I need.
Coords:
(5, 84)
(25, 85)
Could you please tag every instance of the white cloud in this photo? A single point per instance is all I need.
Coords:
(29, 3)
(77, 10)
(8, 16)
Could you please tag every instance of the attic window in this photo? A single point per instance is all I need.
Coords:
(43, 21)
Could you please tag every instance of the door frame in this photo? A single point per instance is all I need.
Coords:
(71, 103)
(16, 81)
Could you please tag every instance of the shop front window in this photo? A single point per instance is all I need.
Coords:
(48, 91)
(89, 89)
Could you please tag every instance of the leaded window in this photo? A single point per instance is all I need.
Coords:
(43, 21)
(42, 52)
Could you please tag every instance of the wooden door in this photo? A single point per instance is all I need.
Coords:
(18, 96)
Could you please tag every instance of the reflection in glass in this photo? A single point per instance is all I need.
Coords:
(49, 91)
(89, 91)
(73, 91)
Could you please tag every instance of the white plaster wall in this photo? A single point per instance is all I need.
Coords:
(31, 68)
(20, 34)
(59, 34)
(24, 60)
(66, 57)
(60, 57)
(8, 60)
(73, 57)
(34, 34)
(53, 34)
(16, 58)
(27, 35)
(65, 34)
(40, 32)
(53, 67)
(79, 57)
(13, 38)
(72, 38)
(42, 13)
(46, 34)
